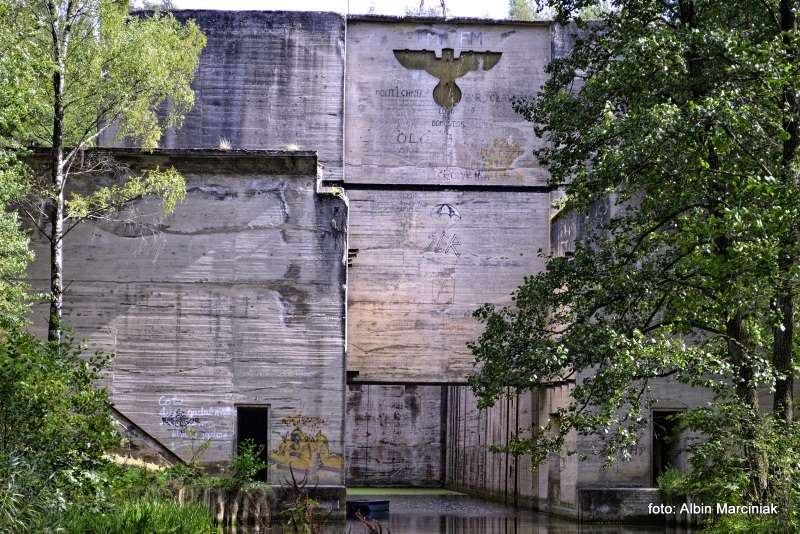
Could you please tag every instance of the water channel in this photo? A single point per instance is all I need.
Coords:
(461, 514)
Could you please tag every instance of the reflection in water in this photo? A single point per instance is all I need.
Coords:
(460, 514)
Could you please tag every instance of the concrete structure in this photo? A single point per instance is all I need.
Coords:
(241, 298)
(268, 80)
(236, 300)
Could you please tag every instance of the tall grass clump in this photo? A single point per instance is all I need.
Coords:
(145, 516)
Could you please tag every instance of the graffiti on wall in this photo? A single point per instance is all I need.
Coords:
(444, 243)
(447, 210)
(444, 240)
(305, 448)
(191, 422)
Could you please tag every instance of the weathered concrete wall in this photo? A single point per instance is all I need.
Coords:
(394, 435)
(472, 466)
(397, 132)
(425, 261)
(448, 211)
(266, 80)
(238, 297)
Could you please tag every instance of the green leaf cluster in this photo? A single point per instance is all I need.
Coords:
(247, 464)
(74, 73)
(14, 250)
(168, 185)
(17, 90)
(130, 74)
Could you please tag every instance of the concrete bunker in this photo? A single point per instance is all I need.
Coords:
(336, 305)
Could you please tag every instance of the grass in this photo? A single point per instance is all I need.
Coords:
(363, 492)
(145, 516)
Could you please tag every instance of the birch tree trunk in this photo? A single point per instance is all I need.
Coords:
(60, 39)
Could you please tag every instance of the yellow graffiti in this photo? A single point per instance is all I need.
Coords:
(305, 452)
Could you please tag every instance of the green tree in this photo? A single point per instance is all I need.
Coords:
(14, 252)
(537, 10)
(16, 93)
(673, 123)
(155, 5)
(55, 427)
(90, 66)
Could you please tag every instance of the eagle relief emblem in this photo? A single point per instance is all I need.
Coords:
(447, 69)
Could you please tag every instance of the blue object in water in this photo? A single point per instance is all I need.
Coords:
(369, 509)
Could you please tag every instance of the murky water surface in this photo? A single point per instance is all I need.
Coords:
(460, 514)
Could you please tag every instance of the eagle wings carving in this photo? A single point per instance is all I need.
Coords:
(447, 68)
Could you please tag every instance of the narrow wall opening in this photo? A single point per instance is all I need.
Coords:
(252, 423)
(665, 442)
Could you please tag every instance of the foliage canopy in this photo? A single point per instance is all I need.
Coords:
(71, 72)
(672, 128)
(82, 70)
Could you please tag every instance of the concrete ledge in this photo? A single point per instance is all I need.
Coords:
(423, 19)
(140, 444)
(200, 160)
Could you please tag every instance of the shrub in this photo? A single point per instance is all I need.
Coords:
(247, 465)
(55, 426)
(670, 482)
(299, 510)
(180, 474)
(50, 409)
(719, 471)
(27, 497)
(125, 483)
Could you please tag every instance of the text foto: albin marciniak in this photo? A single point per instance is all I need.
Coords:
(721, 508)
